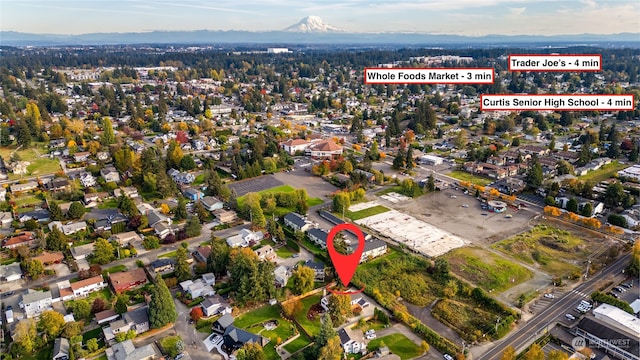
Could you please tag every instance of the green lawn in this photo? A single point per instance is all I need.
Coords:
(474, 179)
(28, 200)
(375, 210)
(108, 204)
(199, 179)
(170, 254)
(92, 334)
(312, 326)
(281, 211)
(486, 269)
(398, 344)
(43, 166)
(603, 173)
(253, 322)
(168, 344)
(298, 343)
(284, 252)
(39, 165)
(105, 294)
(113, 269)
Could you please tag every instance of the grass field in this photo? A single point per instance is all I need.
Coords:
(253, 321)
(553, 250)
(398, 344)
(603, 173)
(43, 353)
(284, 252)
(108, 204)
(474, 179)
(375, 210)
(168, 344)
(199, 179)
(170, 254)
(281, 211)
(312, 326)
(114, 269)
(39, 165)
(486, 269)
(298, 343)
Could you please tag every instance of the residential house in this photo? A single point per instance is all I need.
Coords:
(225, 216)
(202, 253)
(81, 252)
(57, 185)
(70, 228)
(372, 249)
(60, 349)
(129, 191)
(197, 288)
(41, 216)
(92, 199)
(182, 178)
(245, 238)
(105, 223)
(85, 287)
(534, 150)
(106, 316)
(234, 338)
(282, 275)
(293, 146)
(126, 280)
(81, 156)
(18, 167)
(356, 300)
(126, 238)
(318, 236)
(192, 194)
(6, 218)
(11, 272)
(127, 351)
(296, 222)
(19, 188)
(35, 303)
(103, 156)
(209, 279)
(26, 238)
(162, 265)
(352, 341)
(318, 268)
(137, 320)
(210, 203)
(324, 149)
(161, 224)
(110, 174)
(216, 305)
(266, 253)
(49, 258)
(223, 323)
(367, 175)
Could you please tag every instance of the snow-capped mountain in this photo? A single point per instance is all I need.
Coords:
(312, 24)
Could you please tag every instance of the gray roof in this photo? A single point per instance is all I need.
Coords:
(60, 347)
(162, 263)
(137, 316)
(9, 270)
(127, 351)
(225, 321)
(296, 219)
(319, 234)
(34, 296)
(315, 265)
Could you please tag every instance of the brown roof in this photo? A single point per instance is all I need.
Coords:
(205, 251)
(66, 292)
(49, 257)
(326, 145)
(105, 315)
(124, 280)
(86, 282)
(22, 238)
(294, 142)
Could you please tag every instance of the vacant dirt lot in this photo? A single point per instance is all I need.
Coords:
(300, 179)
(448, 213)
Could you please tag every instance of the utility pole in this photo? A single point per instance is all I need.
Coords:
(497, 323)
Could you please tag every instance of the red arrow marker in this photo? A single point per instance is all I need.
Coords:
(345, 265)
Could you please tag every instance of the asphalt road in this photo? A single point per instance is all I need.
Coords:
(519, 339)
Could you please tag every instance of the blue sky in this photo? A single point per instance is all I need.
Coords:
(466, 17)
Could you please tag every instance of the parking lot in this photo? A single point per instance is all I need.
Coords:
(301, 179)
(461, 215)
(257, 184)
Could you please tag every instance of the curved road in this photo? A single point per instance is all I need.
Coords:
(534, 328)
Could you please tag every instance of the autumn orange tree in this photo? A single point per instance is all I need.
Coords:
(552, 210)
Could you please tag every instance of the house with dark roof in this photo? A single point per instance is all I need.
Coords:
(234, 338)
(210, 203)
(318, 268)
(137, 320)
(162, 265)
(352, 341)
(41, 215)
(318, 236)
(372, 249)
(296, 222)
(223, 323)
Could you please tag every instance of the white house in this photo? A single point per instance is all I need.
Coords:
(352, 341)
(70, 228)
(11, 272)
(126, 238)
(294, 145)
(35, 303)
(282, 275)
(296, 222)
(244, 238)
(214, 305)
(85, 287)
(87, 180)
(197, 288)
(372, 249)
(110, 174)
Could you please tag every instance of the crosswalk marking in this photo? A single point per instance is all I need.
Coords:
(580, 293)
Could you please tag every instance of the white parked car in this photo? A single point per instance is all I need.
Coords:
(549, 296)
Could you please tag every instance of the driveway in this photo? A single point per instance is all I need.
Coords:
(303, 255)
(193, 339)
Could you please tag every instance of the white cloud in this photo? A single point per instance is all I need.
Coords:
(517, 11)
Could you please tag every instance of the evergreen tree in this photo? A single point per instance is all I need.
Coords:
(399, 160)
(182, 271)
(193, 227)
(180, 212)
(76, 210)
(431, 183)
(56, 240)
(572, 205)
(108, 135)
(410, 163)
(122, 304)
(55, 213)
(162, 310)
(219, 256)
(534, 173)
(326, 331)
(633, 154)
(587, 209)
